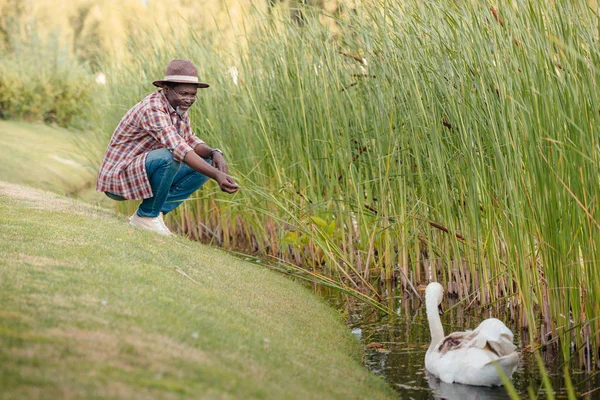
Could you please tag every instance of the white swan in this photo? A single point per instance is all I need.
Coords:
(470, 357)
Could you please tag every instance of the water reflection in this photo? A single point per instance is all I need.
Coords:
(449, 391)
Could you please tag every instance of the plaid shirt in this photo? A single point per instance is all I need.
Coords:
(149, 125)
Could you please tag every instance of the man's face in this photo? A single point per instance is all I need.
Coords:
(181, 96)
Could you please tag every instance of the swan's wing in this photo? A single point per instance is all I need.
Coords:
(506, 364)
(494, 336)
(473, 357)
(494, 329)
(474, 366)
(455, 341)
(491, 335)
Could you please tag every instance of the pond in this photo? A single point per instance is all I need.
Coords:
(395, 346)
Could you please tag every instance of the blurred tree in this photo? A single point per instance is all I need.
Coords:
(102, 29)
(11, 12)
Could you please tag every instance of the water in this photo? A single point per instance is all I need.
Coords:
(395, 346)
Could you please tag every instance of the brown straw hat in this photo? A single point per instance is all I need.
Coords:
(181, 71)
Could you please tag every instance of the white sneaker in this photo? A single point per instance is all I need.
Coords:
(152, 224)
(162, 221)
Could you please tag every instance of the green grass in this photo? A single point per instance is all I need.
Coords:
(49, 158)
(93, 308)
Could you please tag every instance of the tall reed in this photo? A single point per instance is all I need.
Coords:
(424, 140)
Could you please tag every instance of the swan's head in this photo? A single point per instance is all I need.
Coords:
(433, 296)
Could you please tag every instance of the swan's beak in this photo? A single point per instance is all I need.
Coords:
(441, 309)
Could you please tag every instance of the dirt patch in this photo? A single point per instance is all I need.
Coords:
(128, 349)
(66, 161)
(37, 261)
(39, 199)
(22, 192)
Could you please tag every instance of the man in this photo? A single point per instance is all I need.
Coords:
(155, 157)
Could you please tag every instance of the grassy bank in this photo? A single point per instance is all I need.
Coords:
(92, 308)
(49, 158)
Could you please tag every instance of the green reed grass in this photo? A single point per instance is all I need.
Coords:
(421, 141)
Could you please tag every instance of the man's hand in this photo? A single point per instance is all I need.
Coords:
(226, 183)
(218, 161)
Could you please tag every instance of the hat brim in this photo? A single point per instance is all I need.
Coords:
(200, 85)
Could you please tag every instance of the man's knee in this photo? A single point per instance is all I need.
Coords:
(164, 158)
(161, 155)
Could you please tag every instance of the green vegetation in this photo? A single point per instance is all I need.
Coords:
(41, 81)
(51, 91)
(426, 140)
(52, 52)
(49, 158)
(92, 308)
(414, 141)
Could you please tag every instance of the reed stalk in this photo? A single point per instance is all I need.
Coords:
(422, 141)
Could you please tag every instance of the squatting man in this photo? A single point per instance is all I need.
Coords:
(155, 157)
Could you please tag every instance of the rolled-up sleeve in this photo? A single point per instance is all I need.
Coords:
(194, 141)
(158, 124)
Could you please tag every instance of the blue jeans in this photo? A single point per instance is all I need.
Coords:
(172, 182)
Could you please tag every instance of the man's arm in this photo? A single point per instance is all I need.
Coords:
(218, 161)
(226, 183)
(203, 150)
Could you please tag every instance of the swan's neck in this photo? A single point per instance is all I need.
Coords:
(435, 325)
